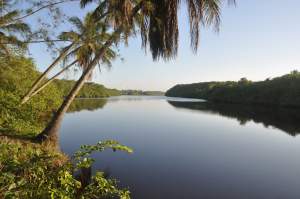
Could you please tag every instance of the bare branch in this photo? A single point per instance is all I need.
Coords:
(41, 8)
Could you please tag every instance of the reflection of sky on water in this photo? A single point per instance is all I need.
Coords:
(192, 150)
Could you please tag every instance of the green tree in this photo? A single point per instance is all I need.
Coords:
(86, 40)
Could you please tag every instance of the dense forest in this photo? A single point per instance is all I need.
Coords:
(282, 91)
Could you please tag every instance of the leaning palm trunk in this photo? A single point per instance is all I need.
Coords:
(52, 79)
(55, 123)
(42, 76)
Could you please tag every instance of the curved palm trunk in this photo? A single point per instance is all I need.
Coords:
(52, 79)
(42, 76)
(55, 123)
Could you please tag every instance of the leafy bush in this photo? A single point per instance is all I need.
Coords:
(30, 170)
(16, 76)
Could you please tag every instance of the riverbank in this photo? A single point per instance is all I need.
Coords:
(16, 77)
(31, 168)
(279, 91)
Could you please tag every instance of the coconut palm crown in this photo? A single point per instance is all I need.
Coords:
(157, 20)
(88, 37)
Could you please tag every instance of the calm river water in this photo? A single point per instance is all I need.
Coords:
(190, 149)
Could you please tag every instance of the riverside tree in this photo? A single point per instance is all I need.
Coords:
(86, 39)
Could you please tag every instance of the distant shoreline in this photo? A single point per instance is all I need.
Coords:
(279, 91)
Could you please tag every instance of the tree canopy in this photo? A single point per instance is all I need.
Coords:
(279, 91)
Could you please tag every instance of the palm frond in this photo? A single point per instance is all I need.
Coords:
(71, 36)
(77, 23)
(8, 17)
(16, 28)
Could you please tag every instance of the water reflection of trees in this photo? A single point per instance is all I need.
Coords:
(134, 98)
(286, 119)
(87, 104)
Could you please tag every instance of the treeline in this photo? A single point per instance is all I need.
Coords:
(89, 90)
(279, 91)
(140, 92)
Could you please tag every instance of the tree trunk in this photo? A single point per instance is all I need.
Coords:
(51, 80)
(55, 123)
(42, 76)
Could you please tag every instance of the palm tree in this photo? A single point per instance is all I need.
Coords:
(83, 41)
(10, 31)
(88, 39)
(156, 20)
(84, 46)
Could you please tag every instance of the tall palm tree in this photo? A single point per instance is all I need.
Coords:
(156, 20)
(88, 37)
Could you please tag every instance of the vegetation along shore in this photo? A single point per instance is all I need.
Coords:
(279, 91)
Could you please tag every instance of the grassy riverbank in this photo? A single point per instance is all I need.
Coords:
(279, 91)
(32, 169)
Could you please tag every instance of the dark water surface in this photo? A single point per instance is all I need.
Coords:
(189, 149)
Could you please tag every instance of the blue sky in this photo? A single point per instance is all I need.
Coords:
(257, 39)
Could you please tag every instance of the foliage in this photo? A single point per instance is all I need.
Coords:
(16, 76)
(11, 30)
(88, 37)
(30, 170)
(82, 158)
(89, 90)
(283, 91)
(157, 21)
